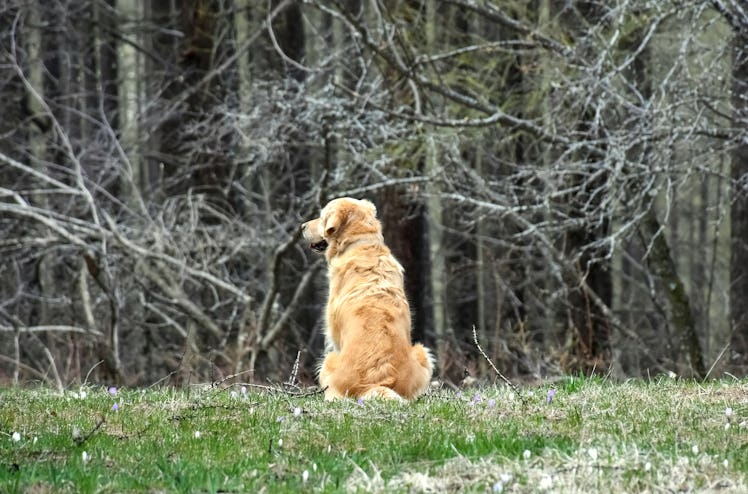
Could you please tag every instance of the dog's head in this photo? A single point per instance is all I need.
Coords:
(341, 222)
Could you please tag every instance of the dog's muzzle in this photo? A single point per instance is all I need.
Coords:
(318, 246)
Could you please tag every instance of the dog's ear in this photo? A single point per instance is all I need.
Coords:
(334, 221)
(370, 205)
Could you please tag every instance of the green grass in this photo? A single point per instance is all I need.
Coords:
(595, 436)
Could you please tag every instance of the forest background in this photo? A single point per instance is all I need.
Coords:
(568, 177)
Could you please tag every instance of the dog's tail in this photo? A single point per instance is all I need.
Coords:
(382, 392)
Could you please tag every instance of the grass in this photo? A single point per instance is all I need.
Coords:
(595, 436)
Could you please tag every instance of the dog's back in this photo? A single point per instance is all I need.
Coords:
(368, 317)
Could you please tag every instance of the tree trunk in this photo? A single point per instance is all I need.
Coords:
(14, 143)
(438, 274)
(591, 328)
(739, 208)
(159, 72)
(14, 103)
(403, 224)
(679, 314)
(109, 62)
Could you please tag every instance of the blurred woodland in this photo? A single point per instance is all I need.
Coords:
(568, 177)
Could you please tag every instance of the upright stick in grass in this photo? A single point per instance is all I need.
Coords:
(503, 378)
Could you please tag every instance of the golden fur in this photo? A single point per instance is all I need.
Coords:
(368, 317)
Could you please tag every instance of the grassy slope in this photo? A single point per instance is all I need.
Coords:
(593, 437)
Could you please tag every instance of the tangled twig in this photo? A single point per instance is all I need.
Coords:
(285, 389)
(79, 440)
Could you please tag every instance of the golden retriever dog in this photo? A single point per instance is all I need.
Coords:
(370, 353)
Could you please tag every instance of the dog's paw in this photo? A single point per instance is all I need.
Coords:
(383, 392)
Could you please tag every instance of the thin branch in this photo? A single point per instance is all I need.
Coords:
(498, 373)
(51, 328)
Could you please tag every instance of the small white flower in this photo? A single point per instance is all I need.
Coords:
(85, 457)
(593, 453)
(234, 395)
(314, 467)
(743, 424)
(728, 412)
(647, 467)
(695, 449)
(244, 390)
(526, 454)
(505, 478)
(498, 487)
(546, 483)
(280, 442)
(727, 426)
(305, 476)
(34, 440)
(672, 375)
(725, 463)
(83, 395)
(297, 412)
(16, 437)
(197, 434)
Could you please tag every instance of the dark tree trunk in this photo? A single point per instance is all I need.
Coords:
(109, 62)
(268, 60)
(590, 337)
(591, 328)
(679, 313)
(188, 147)
(160, 72)
(15, 126)
(14, 103)
(403, 224)
(55, 72)
(739, 209)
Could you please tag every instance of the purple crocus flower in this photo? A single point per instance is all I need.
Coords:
(551, 394)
